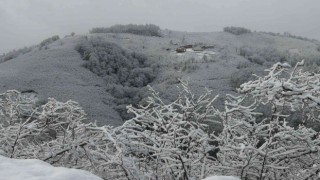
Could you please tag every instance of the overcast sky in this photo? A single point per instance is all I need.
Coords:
(27, 22)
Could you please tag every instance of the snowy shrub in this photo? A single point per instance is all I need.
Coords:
(271, 149)
(55, 133)
(48, 41)
(15, 53)
(173, 140)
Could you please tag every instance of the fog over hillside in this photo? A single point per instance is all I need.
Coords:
(26, 22)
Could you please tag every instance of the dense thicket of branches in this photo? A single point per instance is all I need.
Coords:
(145, 30)
(173, 140)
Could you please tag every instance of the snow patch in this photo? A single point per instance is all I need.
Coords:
(221, 178)
(32, 169)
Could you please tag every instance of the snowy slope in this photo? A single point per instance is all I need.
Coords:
(32, 169)
(57, 72)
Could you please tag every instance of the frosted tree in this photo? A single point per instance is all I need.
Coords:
(270, 149)
(171, 141)
(285, 87)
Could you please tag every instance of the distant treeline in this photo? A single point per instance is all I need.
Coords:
(236, 30)
(241, 30)
(287, 34)
(145, 30)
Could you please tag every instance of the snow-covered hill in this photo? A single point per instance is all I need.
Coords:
(57, 70)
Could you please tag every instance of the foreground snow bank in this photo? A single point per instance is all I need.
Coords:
(32, 169)
(221, 178)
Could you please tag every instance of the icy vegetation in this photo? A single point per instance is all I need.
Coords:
(32, 169)
(174, 140)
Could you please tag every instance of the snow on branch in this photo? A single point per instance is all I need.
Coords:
(286, 87)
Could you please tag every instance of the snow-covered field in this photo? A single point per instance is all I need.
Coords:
(32, 169)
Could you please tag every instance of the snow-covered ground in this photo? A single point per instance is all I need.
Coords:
(221, 178)
(32, 169)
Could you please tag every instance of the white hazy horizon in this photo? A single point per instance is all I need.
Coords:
(27, 22)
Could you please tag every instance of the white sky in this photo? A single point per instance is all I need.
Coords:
(27, 22)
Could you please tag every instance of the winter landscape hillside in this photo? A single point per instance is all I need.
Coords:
(220, 61)
(140, 102)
